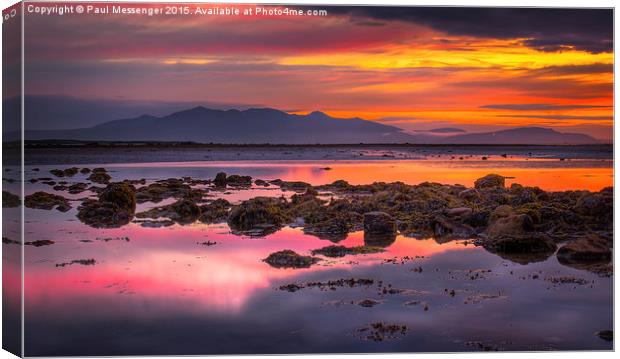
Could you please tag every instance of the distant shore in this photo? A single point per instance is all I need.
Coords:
(104, 153)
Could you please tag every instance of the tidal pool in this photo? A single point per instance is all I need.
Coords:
(201, 289)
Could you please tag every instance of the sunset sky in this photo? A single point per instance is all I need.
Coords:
(416, 68)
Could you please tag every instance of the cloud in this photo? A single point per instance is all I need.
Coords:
(563, 117)
(596, 68)
(549, 29)
(540, 107)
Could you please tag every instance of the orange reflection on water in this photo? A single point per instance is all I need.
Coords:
(548, 174)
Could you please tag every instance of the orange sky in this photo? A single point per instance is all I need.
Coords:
(417, 69)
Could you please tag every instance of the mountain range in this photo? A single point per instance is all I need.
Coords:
(266, 125)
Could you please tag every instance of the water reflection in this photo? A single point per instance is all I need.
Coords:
(163, 291)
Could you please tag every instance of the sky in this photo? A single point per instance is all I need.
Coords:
(475, 69)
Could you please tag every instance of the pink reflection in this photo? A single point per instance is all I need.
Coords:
(161, 269)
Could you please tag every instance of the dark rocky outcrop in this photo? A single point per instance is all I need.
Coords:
(335, 251)
(589, 249)
(379, 223)
(47, 201)
(290, 259)
(490, 181)
(100, 176)
(114, 207)
(9, 200)
(260, 213)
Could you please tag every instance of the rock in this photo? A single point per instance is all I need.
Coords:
(69, 172)
(597, 205)
(368, 303)
(592, 248)
(39, 243)
(220, 179)
(239, 181)
(445, 227)
(514, 225)
(460, 212)
(99, 177)
(333, 226)
(490, 181)
(262, 183)
(215, 212)
(78, 188)
(47, 201)
(85, 170)
(527, 248)
(169, 188)
(470, 194)
(121, 194)
(114, 208)
(258, 211)
(379, 223)
(289, 259)
(185, 211)
(7, 240)
(9, 200)
(340, 251)
(296, 186)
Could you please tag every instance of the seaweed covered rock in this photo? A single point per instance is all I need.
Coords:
(527, 248)
(451, 228)
(511, 226)
(77, 188)
(490, 181)
(379, 223)
(220, 179)
(258, 212)
(333, 221)
(69, 172)
(168, 188)
(121, 194)
(99, 175)
(215, 212)
(336, 251)
(115, 207)
(9, 200)
(289, 259)
(47, 201)
(238, 181)
(591, 248)
(183, 211)
(598, 206)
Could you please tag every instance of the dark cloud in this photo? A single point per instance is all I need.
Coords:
(574, 70)
(546, 29)
(539, 107)
(563, 117)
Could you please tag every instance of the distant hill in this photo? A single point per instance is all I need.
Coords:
(267, 125)
(257, 125)
(522, 136)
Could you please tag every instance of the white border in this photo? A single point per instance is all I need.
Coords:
(483, 3)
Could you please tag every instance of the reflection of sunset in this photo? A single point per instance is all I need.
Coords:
(551, 175)
(162, 267)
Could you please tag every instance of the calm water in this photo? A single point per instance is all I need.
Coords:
(159, 291)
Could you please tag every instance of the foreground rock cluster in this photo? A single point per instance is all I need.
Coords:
(522, 224)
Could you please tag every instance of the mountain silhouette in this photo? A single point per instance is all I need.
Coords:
(520, 136)
(267, 125)
(256, 125)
